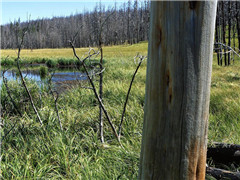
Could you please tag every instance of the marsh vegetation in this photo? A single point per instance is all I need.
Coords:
(30, 151)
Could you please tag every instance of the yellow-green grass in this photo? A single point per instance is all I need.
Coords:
(109, 52)
(29, 152)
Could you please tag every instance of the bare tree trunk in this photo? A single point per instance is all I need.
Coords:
(101, 93)
(238, 22)
(224, 33)
(100, 78)
(229, 30)
(217, 39)
(174, 143)
(234, 32)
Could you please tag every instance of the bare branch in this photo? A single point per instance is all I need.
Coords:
(56, 107)
(23, 81)
(55, 99)
(5, 135)
(95, 91)
(228, 47)
(141, 58)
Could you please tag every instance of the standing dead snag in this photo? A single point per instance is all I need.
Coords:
(22, 78)
(94, 89)
(179, 65)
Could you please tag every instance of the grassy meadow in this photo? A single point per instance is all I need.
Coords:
(30, 151)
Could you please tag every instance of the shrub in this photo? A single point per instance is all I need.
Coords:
(62, 62)
(7, 62)
(44, 60)
(51, 63)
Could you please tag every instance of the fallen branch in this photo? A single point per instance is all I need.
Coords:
(222, 174)
(224, 153)
(228, 47)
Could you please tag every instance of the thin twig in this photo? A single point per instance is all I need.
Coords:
(128, 93)
(5, 135)
(224, 45)
(55, 99)
(56, 107)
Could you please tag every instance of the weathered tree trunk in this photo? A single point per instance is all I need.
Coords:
(101, 83)
(174, 143)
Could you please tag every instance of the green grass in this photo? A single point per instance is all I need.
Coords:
(29, 152)
(224, 120)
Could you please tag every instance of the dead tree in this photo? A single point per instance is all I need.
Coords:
(94, 88)
(23, 80)
(229, 30)
(217, 38)
(174, 142)
(222, 174)
(238, 23)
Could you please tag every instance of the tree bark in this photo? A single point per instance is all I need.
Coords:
(174, 143)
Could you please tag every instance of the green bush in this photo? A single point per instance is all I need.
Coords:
(65, 62)
(62, 62)
(7, 62)
(51, 63)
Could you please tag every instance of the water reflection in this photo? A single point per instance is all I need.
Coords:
(60, 78)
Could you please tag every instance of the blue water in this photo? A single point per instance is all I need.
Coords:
(63, 77)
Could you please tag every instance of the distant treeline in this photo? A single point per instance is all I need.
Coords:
(227, 30)
(228, 23)
(124, 23)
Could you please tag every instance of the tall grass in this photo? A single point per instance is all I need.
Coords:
(30, 152)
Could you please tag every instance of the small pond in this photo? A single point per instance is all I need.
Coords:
(61, 77)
